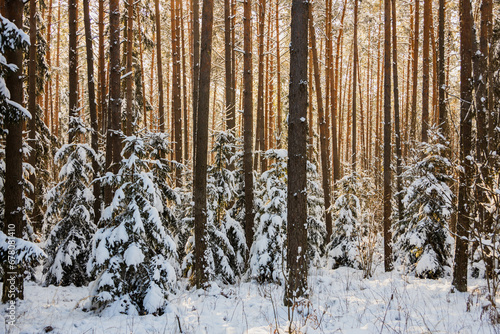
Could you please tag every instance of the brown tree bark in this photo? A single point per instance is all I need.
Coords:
(184, 89)
(195, 7)
(278, 79)
(49, 103)
(113, 140)
(176, 89)
(14, 223)
(94, 138)
(248, 121)
(228, 52)
(443, 112)
(129, 70)
(399, 168)
(413, 119)
(354, 86)
(324, 132)
(103, 108)
(32, 108)
(425, 70)
(387, 138)
(259, 135)
(334, 100)
(297, 156)
(200, 162)
(73, 65)
(465, 177)
(161, 105)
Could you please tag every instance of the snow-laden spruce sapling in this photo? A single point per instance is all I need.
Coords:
(225, 237)
(268, 253)
(423, 235)
(133, 255)
(70, 207)
(316, 228)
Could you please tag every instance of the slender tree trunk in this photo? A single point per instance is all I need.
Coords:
(55, 130)
(113, 141)
(93, 110)
(324, 132)
(425, 70)
(196, 65)
(32, 108)
(228, 49)
(443, 112)
(278, 79)
(143, 84)
(176, 91)
(387, 138)
(354, 85)
(200, 162)
(161, 105)
(334, 103)
(248, 122)
(103, 108)
(48, 84)
(129, 70)
(413, 120)
(73, 66)
(14, 222)
(465, 177)
(297, 156)
(399, 169)
(259, 136)
(184, 88)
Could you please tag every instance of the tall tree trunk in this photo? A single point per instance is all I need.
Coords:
(73, 66)
(196, 65)
(113, 140)
(297, 156)
(443, 112)
(354, 85)
(334, 98)
(278, 79)
(103, 108)
(48, 84)
(200, 162)
(324, 132)
(248, 121)
(399, 169)
(129, 70)
(176, 90)
(259, 136)
(161, 105)
(184, 88)
(387, 138)
(413, 119)
(228, 49)
(14, 223)
(55, 129)
(32, 107)
(425, 70)
(465, 177)
(94, 139)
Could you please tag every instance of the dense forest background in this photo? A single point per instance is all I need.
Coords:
(147, 141)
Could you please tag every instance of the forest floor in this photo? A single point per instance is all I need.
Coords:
(340, 301)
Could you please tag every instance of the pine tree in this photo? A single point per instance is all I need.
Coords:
(133, 254)
(423, 235)
(70, 205)
(268, 253)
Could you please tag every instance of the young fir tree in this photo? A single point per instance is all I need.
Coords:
(133, 254)
(70, 206)
(225, 237)
(349, 225)
(316, 228)
(423, 235)
(268, 252)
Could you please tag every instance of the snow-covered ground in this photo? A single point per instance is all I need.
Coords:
(341, 301)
